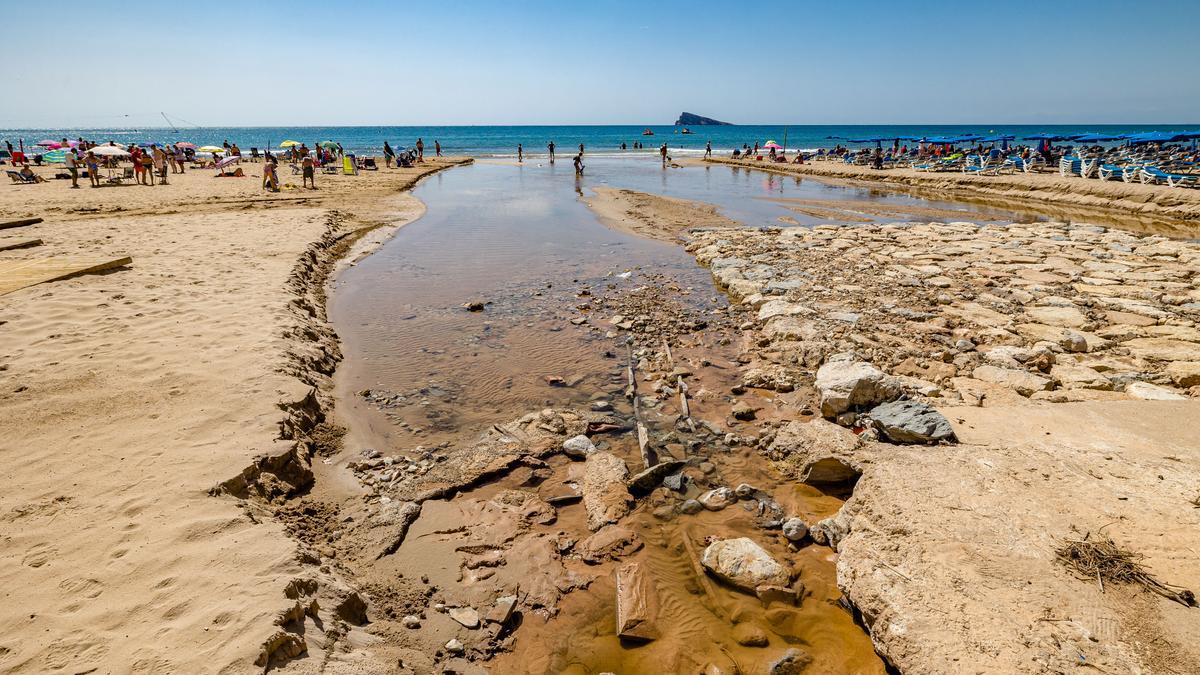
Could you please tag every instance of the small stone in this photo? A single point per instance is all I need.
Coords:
(601, 406)
(503, 609)
(749, 635)
(715, 500)
(474, 305)
(794, 529)
(743, 411)
(1152, 392)
(791, 663)
(411, 621)
(648, 479)
(911, 422)
(454, 646)
(465, 616)
(745, 491)
(744, 564)
(691, 507)
(578, 447)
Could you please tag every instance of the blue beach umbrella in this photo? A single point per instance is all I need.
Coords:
(1045, 137)
(1097, 138)
(1153, 137)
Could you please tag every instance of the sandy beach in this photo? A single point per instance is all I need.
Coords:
(130, 395)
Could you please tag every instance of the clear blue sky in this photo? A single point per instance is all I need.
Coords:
(306, 62)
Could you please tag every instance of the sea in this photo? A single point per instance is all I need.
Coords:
(502, 141)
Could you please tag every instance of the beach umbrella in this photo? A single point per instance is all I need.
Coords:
(185, 145)
(1153, 137)
(289, 144)
(1096, 138)
(329, 145)
(771, 144)
(1045, 137)
(49, 144)
(232, 159)
(109, 151)
(55, 156)
(211, 148)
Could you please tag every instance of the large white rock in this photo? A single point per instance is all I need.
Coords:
(1021, 381)
(845, 382)
(744, 564)
(605, 496)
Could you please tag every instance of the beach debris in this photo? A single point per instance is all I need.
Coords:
(1099, 558)
(637, 603)
(911, 422)
(744, 564)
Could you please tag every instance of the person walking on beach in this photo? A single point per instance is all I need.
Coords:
(388, 155)
(73, 168)
(550, 146)
(579, 164)
(306, 167)
(437, 148)
(93, 168)
(708, 150)
(420, 150)
(520, 154)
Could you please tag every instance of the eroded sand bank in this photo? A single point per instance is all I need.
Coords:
(128, 396)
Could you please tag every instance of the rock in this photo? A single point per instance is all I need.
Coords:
(1184, 373)
(454, 646)
(601, 406)
(829, 532)
(911, 422)
(648, 479)
(578, 447)
(1021, 381)
(610, 542)
(474, 305)
(745, 491)
(691, 507)
(1152, 392)
(845, 382)
(637, 603)
(743, 564)
(1066, 317)
(465, 616)
(775, 378)
(411, 621)
(743, 411)
(605, 496)
(794, 529)
(502, 611)
(715, 500)
(793, 662)
(1163, 349)
(1074, 376)
(816, 452)
(749, 635)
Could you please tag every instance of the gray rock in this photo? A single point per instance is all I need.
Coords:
(674, 482)
(411, 621)
(691, 507)
(794, 529)
(744, 564)
(911, 422)
(454, 646)
(845, 382)
(715, 500)
(745, 491)
(648, 479)
(578, 447)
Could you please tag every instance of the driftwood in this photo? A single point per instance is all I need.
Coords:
(1101, 559)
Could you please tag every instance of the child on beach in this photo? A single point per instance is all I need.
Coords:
(579, 164)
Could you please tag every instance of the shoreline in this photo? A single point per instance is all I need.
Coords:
(1177, 207)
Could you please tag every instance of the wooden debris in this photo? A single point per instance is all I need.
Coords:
(17, 274)
(19, 223)
(12, 244)
(1101, 559)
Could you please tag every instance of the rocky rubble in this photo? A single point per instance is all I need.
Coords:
(960, 313)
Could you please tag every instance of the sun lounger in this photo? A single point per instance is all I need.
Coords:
(1089, 168)
(1153, 175)
(1069, 166)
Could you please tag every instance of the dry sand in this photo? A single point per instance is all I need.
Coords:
(652, 216)
(127, 396)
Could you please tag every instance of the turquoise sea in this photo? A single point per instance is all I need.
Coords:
(503, 140)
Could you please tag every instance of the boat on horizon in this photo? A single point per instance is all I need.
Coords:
(647, 132)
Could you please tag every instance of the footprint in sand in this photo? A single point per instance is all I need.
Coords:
(39, 554)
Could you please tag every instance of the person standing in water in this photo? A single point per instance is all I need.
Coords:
(708, 150)
(420, 150)
(388, 155)
(662, 151)
(520, 153)
(581, 148)
(579, 164)
(551, 147)
(437, 147)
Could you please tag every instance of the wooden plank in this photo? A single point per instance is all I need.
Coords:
(12, 244)
(17, 274)
(19, 223)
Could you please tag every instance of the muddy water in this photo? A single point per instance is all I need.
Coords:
(519, 239)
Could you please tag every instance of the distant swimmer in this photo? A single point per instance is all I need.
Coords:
(581, 148)
(579, 164)
(551, 147)
(708, 150)
(520, 153)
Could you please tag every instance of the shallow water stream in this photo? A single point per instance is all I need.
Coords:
(519, 239)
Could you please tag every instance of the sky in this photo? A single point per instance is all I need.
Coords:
(450, 62)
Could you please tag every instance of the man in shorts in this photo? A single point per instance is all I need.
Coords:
(307, 167)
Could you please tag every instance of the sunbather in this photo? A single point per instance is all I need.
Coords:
(28, 175)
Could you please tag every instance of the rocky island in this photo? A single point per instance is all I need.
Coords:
(688, 119)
